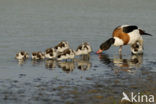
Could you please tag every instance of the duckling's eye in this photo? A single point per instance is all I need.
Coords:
(33, 54)
(79, 67)
(59, 56)
(63, 45)
(135, 49)
(22, 53)
(137, 46)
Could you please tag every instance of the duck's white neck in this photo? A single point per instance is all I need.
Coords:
(118, 41)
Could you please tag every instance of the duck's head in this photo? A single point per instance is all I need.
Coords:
(106, 45)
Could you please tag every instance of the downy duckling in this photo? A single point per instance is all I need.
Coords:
(66, 54)
(83, 49)
(63, 45)
(37, 56)
(50, 53)
(22, 55)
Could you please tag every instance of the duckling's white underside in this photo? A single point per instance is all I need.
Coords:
(51, 57)
(20, 57)
(82, 52)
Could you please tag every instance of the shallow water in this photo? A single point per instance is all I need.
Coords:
(34, 25)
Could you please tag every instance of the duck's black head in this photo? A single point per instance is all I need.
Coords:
(106, 45)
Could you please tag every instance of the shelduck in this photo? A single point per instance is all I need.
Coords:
(124, 35)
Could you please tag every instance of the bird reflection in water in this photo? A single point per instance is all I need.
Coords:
(37, 62)
(83, 63)
(21, 62)
(127, 64)
(50, 64)
(122, 64)
(67, 66)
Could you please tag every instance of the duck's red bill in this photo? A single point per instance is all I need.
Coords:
(99, 51)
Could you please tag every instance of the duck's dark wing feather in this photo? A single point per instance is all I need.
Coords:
(129, 29)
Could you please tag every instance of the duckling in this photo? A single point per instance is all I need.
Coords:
(137, 48)
(37, 55)
(83, 49)
(22, 55)
(66, 54)
(66, 66)
(63, 45)
(50, 53)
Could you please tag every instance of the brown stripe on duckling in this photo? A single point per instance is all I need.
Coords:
(118, 32)
(22, 52)
(34, 53)
(79, 47)
(85, 46)
(37, 54)
(61, 44)
(67, 51)
(49, 50)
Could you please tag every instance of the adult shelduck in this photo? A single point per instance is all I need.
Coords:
(124, 35)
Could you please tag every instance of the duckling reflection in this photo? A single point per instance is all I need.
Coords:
(50, 64)
(83, 63)
(85, 57)
(66, 66)
(21, 62)
(134, 62)
(37, 62)
(120, 64)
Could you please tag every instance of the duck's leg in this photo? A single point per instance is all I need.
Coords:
(141, 41)
(120, 50)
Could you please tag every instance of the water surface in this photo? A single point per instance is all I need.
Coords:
(34, 25)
